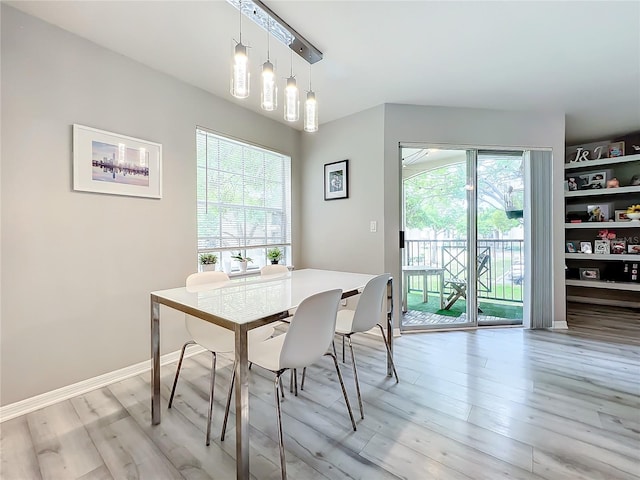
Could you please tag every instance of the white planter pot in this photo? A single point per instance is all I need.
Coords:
(210, 267)
(243, 266)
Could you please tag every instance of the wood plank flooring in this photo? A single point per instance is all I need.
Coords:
(484, 405)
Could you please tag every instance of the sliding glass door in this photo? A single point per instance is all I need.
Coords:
(463, 244)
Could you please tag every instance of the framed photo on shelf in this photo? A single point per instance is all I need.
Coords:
(618, 247)
(585, 247)
(621, 216)
(571, 247)
(336, 180)
(616, 149)
(589, 274)
(602, 247)
(107, 162)
(598, 213)
(593, 180)
(633, 249)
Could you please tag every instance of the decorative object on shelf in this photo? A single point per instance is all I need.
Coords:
(585, 247)
(616, 149)
(598, 213)
(242, 261)
(208, 261)
(593, 180)
(606, 234)
(631, 271)
(336, 180)
(621, 216)
(584, 155)
(635, 181)
(572, 184)
(107, 162)
(275, 255)
(618, 246)
(602, 247)
(589, 274)
(613, 183)
(633, 249)
(571, 247)
(633, 213)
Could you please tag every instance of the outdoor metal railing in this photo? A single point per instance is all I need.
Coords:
(506, 257)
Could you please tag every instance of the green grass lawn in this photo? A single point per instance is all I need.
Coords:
(493, 308)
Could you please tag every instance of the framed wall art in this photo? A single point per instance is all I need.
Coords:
(107, 162)
(336, 180)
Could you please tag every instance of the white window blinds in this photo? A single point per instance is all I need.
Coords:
(244, 195)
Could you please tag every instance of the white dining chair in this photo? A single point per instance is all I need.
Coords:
(274, 270)
(307, 340)
(371, 305)
(212, 337)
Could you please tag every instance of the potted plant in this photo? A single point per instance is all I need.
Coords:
(242, 261)
(208, 261)
(275, 255)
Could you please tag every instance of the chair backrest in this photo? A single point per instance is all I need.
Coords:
(370, 304)
(208, 335)
(311, 330)
(274, 270)
(202, 278)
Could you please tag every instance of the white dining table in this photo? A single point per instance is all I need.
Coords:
(242, 304)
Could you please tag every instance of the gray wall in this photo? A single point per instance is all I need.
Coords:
(473, 127)
(335, 234)
(77, 267)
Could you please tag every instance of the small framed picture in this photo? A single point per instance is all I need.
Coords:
(571, 247)
(616, 149)
(633, 249)
(571, 184)
(618, 246)
(602, 247)
(585, 247)
(589, 274)
(336, 180)
(621, 216)
(598, 213)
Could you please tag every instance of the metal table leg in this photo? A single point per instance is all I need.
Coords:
(242, 403)
(155, 361)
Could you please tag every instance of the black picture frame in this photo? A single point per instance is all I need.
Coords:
(336, 180)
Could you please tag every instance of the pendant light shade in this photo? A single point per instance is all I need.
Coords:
(291, 101)
(269, 94)
(240, 77)
(311, 113)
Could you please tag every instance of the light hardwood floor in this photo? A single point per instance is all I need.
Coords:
(484, 405)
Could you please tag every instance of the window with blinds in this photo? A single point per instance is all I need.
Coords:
(244, 199)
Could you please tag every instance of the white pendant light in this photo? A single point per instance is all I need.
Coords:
(310, 109)
(240, 76)
(269, 92)
(291, 98)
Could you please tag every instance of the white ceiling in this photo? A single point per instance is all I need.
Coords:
(581, 58)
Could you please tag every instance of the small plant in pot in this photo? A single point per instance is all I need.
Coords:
(242, 261)
(275, 255)
(208, 261)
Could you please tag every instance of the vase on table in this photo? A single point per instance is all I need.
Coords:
(243, 266)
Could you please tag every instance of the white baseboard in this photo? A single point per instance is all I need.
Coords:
(560, 325)
(13, 410)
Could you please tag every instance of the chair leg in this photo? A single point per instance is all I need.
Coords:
(344, 390)
(283, 463)
(304, 375)
(175, 381)
(213, 384)
(226, 410)
(342, 348)
(386, 344)
(355, 376)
